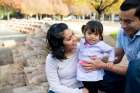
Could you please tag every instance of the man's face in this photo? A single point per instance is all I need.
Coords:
(129, 22)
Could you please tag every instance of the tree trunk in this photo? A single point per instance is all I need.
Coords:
(103, 17)
(61, 17)
(112, 17)
(93, 16)
(99, 16)
(2, 15)
(83, 17)
(8, 16)
(37, 16)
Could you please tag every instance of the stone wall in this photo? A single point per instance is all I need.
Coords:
(22, 63)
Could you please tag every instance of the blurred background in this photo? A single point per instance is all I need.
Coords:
(60, 9)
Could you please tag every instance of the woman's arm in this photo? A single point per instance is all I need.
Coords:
(54, 80)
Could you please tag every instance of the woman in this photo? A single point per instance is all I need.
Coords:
(61, 62)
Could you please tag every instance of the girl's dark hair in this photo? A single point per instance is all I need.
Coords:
(127, 5)
(55, 40)
(83, 28)
(95, 27)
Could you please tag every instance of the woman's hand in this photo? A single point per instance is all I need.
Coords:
(94, 64)
(85, 90)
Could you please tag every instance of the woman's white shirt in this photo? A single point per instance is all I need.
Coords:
(61, 75)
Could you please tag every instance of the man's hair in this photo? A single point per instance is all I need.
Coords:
(131, 5)
(138, 12)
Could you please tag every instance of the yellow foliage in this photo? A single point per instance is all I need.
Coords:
(62, 7)
(106, 5)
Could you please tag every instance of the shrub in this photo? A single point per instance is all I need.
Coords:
(113, 35)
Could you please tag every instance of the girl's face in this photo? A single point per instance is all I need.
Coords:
(70, 40)
(91, 37)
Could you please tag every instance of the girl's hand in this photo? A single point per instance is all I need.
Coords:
(85, 90)
(82, 62)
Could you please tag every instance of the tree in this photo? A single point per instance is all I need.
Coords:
(78, 7)
(60, 8)
(9, 6)
(115, 8)
(102, 5)
(48, 7)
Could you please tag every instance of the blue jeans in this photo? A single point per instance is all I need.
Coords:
(50, 91)
(133, 77)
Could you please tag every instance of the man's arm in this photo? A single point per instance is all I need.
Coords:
(115, 68)
(99, 64)
(119, 53)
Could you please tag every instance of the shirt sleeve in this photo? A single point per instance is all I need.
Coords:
(54, 80)
(118, 39)
(111, 55)
(109, 50)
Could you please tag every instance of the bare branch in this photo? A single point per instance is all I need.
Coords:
(113, 2)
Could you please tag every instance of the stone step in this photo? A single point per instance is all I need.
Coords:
(7, 33)
(6, 56)
(25, 89)
(17, 37)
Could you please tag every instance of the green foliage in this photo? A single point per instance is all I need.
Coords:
(5, 12)
(114, 35)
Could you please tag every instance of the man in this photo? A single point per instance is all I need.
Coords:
(128, 39)
(128, 43)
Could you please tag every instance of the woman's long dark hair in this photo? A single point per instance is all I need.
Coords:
(55, 40)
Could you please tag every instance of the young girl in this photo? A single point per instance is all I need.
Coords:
(92, 46)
